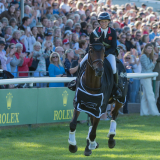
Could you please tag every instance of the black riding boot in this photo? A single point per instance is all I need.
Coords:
(117, 91)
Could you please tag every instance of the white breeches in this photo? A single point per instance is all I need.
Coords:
(111, 58)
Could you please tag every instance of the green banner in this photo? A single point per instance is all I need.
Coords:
(31, 106)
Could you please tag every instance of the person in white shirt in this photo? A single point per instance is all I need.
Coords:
(65, 7)
(28, 40)
(2, 7)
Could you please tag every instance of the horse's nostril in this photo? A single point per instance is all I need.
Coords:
(99, 72)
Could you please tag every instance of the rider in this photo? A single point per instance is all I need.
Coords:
(110, 43)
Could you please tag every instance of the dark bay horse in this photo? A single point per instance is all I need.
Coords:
(92, 83)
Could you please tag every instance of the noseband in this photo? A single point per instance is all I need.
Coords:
(97, 47)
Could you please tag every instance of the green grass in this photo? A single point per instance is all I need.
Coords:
(138, 138)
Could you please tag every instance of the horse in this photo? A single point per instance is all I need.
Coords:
(92, 82)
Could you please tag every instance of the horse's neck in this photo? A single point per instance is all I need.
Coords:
(90, 80)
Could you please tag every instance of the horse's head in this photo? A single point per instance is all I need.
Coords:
(96, 58)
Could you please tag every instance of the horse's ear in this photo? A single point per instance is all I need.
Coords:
(101, 38)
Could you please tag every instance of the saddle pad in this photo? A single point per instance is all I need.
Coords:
(93, 101)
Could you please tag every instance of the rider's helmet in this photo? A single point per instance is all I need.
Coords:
(104, 16)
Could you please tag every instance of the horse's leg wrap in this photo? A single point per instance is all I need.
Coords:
(112, 130)
(92, 145)
(90, 128)
(72, 139)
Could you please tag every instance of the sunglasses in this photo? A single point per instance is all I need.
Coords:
(55, 57)
(127, 58)
(123, 37)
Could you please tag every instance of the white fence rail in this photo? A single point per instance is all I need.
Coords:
(32, 80)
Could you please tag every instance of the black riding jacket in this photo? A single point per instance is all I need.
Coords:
(110, 40)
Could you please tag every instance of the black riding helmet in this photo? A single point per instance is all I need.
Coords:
(104, 16)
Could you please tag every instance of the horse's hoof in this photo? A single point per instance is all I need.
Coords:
(111, 143)
(87, 151)
(97, 145)
(73, 149)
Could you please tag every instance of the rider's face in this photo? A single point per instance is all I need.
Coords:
(104, 23)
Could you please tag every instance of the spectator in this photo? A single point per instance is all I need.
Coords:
(69, 58)
(13, 24)
(145, 39)
(122, 39)
(16, 39)
(56, 69)
(128, 42)
(83, 45)
(148, 62)
(60, 51)
(75, 44)
(77, 29)
(2, 6)
(25, 23)
(144, 29)
(32, 18)
(66, 44)
(4, 58)
(8, 34)
(8, 14)
(157, 66)
(80, 8)
(34, 32)
(125, 23)
(75, 63)
(38, 54)
(136, 68)
(144, 6)
(27, 61)
(127, 64)
(28, 40)
(138, 42)
(95, 24)
(65, 7)
(154, 32)
(18, 16)
(89, 29)
(15, 62)
(138, 25)
(40, 34)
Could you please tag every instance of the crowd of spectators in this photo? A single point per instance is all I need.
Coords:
(53, 37)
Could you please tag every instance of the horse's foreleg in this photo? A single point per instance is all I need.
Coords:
(72, 138)
(92, 134)
(112, 130)
(87, 151)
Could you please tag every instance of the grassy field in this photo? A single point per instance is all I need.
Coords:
(138, 138)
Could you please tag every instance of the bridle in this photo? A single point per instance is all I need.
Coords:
(95, 47)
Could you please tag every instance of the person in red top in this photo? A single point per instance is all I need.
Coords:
(27, 61)
(16, 39)
(125, 23)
